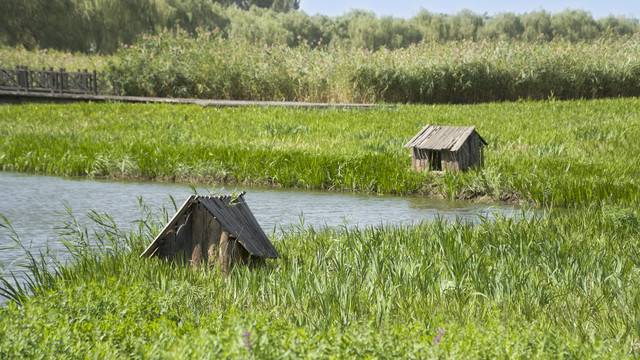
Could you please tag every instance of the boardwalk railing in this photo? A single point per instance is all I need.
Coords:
(62, 82)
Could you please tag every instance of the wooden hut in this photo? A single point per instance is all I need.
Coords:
(450, 148)
(210, 230)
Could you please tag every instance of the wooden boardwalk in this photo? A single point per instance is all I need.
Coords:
(61, 81)
(25, 97)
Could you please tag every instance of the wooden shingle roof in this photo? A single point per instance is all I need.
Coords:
(442, 137)
(234, 215)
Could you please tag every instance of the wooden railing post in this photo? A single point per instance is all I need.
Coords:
(95, 82)
(21, 78)
(63, 78)
(52, 79)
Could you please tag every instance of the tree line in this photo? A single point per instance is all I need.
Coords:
(102, 26)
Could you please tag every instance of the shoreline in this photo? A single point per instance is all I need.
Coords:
(510, 199)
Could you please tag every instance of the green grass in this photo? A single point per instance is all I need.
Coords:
(208, 66)
(553, 153)
(562, 285)
(36, 59)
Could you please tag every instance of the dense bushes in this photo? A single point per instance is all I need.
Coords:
(103, 25)
(209, 65)
(175, 64)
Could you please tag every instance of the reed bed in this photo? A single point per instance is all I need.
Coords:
(553, 153)
(563, 284)
(37, 59)
(175, 64)
(209, 66)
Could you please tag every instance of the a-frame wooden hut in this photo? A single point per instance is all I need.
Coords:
(210, 230)
(450, 148)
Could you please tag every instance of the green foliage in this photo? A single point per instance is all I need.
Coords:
(175, 64)
(33, 23)
(211, 66)
(47, 58)
(575, 25)
(276, 5)
(567, 154)
(103, 25)
(559, 284)
(503, 25)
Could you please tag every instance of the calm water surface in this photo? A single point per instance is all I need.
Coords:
(34, 205)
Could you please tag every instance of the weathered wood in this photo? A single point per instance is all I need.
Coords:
(60, 82)
(166, 249)
(183, 239)
(446, 148)
(197, 236)
(449, 161)
(171, 225)
(236, 217)
(224, 252)
(214, 231)
(213, 234)
(177, 245)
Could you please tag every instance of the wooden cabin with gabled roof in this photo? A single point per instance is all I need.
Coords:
(210, 230)
(447, 148)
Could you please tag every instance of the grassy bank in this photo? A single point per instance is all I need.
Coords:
(553, 153)
(563, 285)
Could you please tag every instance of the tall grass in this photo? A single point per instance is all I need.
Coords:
(564, 284)
(11, 57)
(175, 64)
(554, 153)
(206, 65)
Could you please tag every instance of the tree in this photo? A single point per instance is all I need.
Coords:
(464, 25)
(110, 23)
(506, 24)
(536, 24)
(276, 5)
(575, 25)
(432, 27)
(619, 25)
(42, 23)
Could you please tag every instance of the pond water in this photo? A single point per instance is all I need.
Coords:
(34, 206)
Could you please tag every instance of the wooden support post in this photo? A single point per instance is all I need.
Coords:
(224, 260)
(95, 83)
(52, 79)
(197, 237)
(21, 81)
(212, 241)
(183, 238)
(165, 252)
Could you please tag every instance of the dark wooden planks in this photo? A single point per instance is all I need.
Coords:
(156, 242)
(440, 137)
(196, 233)
(236, 217)
(459, 148)
(23, 79)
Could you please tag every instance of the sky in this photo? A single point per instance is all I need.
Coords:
(409, 8)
